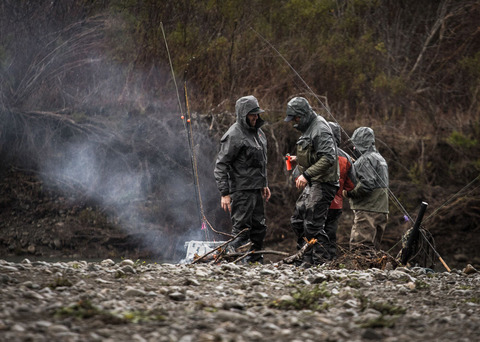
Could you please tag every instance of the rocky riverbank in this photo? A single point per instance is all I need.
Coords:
(138, 301)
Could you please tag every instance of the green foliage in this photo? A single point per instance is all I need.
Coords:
(390, 86)
(476, 164)
(459, 140)
(354, 283)
(119, 274)
(380, 322)
(389, 313)
(60, 282)
(385, 308)
(81, 309)
(144, 316)
(470, 67)
(139, 262)
(471, 64)
(363, 53)
(465, 287)
(305, 298)
(360, 52)
(418, 172)
(84, 309)
(421, 285)
(475, 300)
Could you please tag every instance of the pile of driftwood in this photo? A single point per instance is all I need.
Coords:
(225, 253)
(417, 249)
(364, 259)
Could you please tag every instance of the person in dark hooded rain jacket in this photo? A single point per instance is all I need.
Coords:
(347, 182)
(241, 175)
(369, 198)
(317, 163)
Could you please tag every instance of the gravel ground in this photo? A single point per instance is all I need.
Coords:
(138, 301)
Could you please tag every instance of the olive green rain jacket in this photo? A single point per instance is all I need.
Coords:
(371, 171)
(316, 150)
(242, 161)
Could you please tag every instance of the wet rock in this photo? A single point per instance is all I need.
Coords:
(57, 243)
(107, 263)
(177, 296)
(134, 292)
(128, 269)
(127, 262)
(233, 305)
(167, 302)
(371, 334)
(469, 269)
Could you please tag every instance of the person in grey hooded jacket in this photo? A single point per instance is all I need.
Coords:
(369, 198)
(317, 163)
(241, 175)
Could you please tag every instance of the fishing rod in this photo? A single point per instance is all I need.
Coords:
(198, 198)
(391, 194)
(196, 184)
(193, 159)
(185, 120)
(203, 218)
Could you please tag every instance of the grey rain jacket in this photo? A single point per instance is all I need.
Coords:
(242, 161)
(316, 150)
(371, 172)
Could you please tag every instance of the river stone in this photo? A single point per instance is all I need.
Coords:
(126, 262)
(107, 263)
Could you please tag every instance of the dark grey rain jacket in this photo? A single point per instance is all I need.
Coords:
(242, 161)
(371, 172)
(316, 149)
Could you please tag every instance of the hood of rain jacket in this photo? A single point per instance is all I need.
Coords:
(299, 106)
(363, 138)
(242, 161)
(316, 149)
(246, 105)
(371, 173)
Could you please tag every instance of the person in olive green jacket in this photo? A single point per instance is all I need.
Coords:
(317, 164)
(241, 175)
(369, 198)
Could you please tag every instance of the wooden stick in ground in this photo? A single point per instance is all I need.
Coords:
(299, 255)
(444, 264)
(217, 248)
(265, 251)
(243, 256)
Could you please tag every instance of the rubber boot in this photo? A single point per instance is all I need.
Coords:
(320, 254)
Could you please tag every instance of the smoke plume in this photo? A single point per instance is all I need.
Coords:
(106, 132)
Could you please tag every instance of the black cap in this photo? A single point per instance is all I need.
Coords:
(256, 110)
(289, 118)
